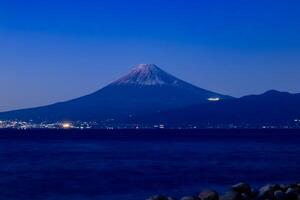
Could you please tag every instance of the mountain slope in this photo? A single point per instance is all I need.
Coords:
(145, 89)
(269, 107)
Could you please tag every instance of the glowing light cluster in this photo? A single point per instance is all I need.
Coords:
(66, 125)
(214, 99)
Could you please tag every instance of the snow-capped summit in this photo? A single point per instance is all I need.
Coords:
(147, 74)
(146, 67)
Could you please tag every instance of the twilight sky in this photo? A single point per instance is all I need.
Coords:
(55, 50)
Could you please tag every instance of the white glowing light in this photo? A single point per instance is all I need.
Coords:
(214, 99)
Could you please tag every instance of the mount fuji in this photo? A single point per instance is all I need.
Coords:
(146, 89)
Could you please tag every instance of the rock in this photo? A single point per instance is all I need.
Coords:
(267, 191)
(242, 188)
(209, 195)
(279, 195)
(231, 195)
(293, 185)
(158, 197)
(276, 186)
(294, 190)
(246, 197)
(292, 193)
(283, 187)
(254, 193)
(190, 198)
(243, 191)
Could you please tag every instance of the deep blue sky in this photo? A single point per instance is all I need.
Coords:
(55, 50)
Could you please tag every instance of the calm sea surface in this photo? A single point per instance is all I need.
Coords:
(131, 165)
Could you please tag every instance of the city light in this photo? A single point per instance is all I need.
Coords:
(66, 125)
(214, 99)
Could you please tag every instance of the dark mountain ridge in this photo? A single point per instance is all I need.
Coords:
(270, 107)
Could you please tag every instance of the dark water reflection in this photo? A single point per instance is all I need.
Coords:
(135, 165)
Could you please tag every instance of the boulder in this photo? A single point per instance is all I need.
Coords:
(231, 195)
(209, 195)
(190, 198)
(293, 185)
(284, 187)
(158, 197)
(254, 193)
(294, 190)
(242, 188)
(246, 197)
(279, 195)
(292, 193)
(243, 191)
(267, 191)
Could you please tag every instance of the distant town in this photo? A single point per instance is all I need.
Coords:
(23, 125)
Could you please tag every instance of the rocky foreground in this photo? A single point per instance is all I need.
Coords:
(243, 191)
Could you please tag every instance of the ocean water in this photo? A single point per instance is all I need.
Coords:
(133, 165)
